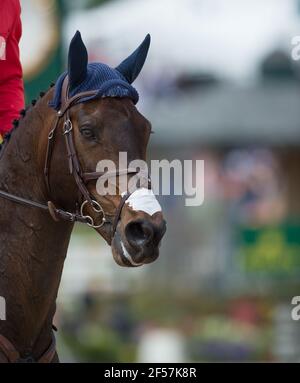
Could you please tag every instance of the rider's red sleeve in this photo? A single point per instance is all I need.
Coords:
(11, 82)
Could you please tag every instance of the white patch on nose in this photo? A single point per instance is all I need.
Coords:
(128, 256)
(144, 200)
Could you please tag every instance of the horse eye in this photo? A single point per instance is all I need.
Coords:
(87, 133)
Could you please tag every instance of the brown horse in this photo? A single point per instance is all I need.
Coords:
(35, 234)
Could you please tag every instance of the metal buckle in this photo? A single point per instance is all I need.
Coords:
(51, 134)
(98, 209)
(71, 216)
(68, 127)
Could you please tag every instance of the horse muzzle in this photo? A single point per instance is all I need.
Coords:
(138, 243)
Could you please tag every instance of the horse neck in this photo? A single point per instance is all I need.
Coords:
(32, 246)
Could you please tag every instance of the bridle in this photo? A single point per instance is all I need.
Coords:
(82, 179)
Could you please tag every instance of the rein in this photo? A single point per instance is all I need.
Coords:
(81, 178)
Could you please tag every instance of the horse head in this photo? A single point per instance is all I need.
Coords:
(96, 110)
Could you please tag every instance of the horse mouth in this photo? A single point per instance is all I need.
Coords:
(120, 253)
(129, 258)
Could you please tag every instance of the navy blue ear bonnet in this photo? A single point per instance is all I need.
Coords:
(107, 81)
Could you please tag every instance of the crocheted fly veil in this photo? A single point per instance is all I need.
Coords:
(107, 81)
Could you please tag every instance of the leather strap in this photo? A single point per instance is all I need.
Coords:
(49, 354)
(119, 211)
(62, 214)
(66, 105)
(71, 101)
(95, 175)
(13, 356)
(50, 145)
(8, 350)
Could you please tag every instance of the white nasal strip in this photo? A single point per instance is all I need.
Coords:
(144, 200)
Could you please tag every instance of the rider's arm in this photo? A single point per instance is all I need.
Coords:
(11, 82)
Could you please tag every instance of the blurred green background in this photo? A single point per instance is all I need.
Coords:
(219, 85)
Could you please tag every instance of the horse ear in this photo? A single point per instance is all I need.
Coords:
(77, 61)
(130, 68)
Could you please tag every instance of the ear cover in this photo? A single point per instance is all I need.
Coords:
(130, 68)
(77, 61)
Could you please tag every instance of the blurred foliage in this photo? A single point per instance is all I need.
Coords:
(96, 343)
(52, 66)
(109, 327)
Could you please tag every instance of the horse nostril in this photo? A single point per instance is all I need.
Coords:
(139, 233)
